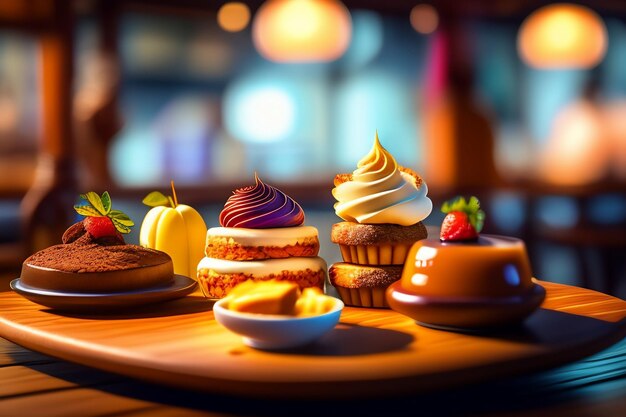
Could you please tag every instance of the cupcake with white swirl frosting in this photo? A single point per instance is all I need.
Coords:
(383, 205)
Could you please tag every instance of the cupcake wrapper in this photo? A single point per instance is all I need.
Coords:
(363, 297)
(389, 254)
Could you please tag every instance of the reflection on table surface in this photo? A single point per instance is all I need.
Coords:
(35, 384)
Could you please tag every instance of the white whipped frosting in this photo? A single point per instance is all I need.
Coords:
(380, 193)
(264, 267)
(280, 236)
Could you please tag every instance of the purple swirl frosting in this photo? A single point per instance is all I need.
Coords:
(261, 206)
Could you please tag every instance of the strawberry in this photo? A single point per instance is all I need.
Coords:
(100, 226)
(100, 220)
(456, 226)
(464, 220)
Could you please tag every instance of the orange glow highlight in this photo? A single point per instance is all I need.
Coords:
(579, 149)
(562, 36)
(424, 18)
(302, 30)
(233, 17)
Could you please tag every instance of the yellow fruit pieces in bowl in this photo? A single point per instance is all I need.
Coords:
(277, 314)
(312, 302)
(278, 298)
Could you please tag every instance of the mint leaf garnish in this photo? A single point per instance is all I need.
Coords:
(473, 205)
(458, 204)
(120, 227)
(95, 201)
(477, 220)
(106, 202)
(87, 210)
(156, 199)
(121, 218)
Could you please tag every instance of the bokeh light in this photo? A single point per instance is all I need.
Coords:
(258, 113)
(507, 212)
(151, 46)
(136, 143)
(302, 31)
(424, 18)
(9, 115)
(579, 149)
(608, 209)
(562, 36)
(558, 212)
(279, 114)
(367, 39)
(233, 17)
(208, 55)
(541, 109)
(185, 128)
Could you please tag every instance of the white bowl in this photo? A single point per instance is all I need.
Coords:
(266, 331)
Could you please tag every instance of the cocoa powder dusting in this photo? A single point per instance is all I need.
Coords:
(83, 255)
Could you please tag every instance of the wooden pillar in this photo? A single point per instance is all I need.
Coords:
(47, 206)
(97, 119)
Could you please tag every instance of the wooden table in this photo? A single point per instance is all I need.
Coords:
(35, 384)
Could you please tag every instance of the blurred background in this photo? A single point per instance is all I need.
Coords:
(520, 102)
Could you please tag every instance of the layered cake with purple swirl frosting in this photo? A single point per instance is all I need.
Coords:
(262, 236)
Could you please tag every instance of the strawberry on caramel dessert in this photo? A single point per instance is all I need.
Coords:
(463, 221)
(262, 236)
(94, 257)
(465, 280)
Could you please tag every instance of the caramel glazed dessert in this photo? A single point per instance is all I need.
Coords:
(383, 205)
(472, 284)
(262, 237)
(465, 280)
(95, 259)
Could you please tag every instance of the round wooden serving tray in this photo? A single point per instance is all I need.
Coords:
(179, 287)
(370, 353)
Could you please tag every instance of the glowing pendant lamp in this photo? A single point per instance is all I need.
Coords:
(233, 16)
(562, 36)
(302, 30)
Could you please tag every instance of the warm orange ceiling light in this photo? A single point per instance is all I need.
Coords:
(424, 18)
(233, 17)
(302, 30)
(562, 36)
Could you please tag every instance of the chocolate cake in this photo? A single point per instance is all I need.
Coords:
(87, 265)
